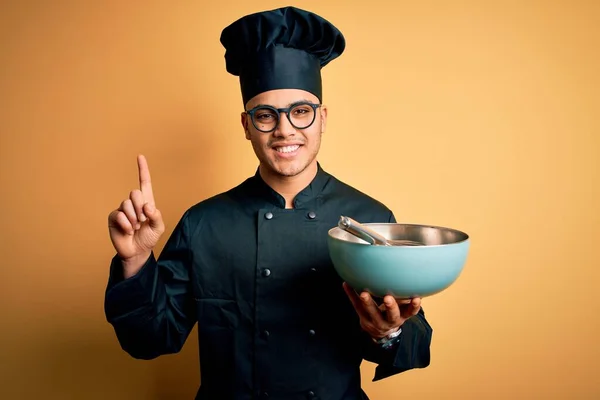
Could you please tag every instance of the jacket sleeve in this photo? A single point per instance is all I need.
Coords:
(411, 350)
(152, 313)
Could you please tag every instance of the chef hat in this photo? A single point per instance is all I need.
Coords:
(280, 49)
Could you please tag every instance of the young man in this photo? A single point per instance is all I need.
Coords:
(251, 265)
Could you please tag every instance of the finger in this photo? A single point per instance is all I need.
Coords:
(411, 309)
(154, 217)
(356, 302)
(119, 220)
(137, 198)
(145, 180)
(392, 310)
(129, 211)
(371, 308)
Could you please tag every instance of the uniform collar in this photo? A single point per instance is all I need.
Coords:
(305, 196)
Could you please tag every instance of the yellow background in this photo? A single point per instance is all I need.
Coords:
(477, 115)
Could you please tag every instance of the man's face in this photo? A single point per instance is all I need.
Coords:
(287, 150)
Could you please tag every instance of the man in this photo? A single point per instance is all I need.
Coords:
(251, 265)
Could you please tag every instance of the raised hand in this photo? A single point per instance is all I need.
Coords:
(137, 225)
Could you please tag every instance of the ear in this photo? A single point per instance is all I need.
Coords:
(244, 121)
(323, 118)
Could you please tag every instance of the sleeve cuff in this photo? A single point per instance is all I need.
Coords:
(411, 351)
(125, 296)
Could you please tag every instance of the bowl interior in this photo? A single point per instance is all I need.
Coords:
(428, 235)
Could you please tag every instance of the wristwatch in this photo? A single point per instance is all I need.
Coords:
(388, 341)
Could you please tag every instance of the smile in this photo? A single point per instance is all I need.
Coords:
(287, 149)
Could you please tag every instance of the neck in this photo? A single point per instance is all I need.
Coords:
(289, 186)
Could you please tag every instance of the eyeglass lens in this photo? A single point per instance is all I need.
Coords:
(300, 116)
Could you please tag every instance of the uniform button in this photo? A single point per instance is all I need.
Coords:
(313, 270)
(312, 332)
(266, 333)
(269, 215)
(312, 215)
(266, 272)
(264, 395)
(310, 394)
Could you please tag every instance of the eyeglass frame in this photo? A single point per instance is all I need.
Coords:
(287, 110)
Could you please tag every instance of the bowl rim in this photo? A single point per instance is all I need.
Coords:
(466, 235)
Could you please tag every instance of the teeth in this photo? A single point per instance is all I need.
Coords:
(287, 149)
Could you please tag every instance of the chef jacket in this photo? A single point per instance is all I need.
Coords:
(273, 319)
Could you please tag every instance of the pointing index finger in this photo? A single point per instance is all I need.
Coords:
(145, 180)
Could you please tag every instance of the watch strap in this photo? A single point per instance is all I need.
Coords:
(388, 340)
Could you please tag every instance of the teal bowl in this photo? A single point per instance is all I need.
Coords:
(400, 271)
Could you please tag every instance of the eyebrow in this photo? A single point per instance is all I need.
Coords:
(288, 105)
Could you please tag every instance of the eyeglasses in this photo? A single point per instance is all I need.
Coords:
(266, 118)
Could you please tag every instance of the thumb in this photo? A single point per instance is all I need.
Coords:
(154, 217)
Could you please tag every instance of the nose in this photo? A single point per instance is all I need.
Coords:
(284, 128)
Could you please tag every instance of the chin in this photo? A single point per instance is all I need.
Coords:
(292, 169)
(289, 171)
